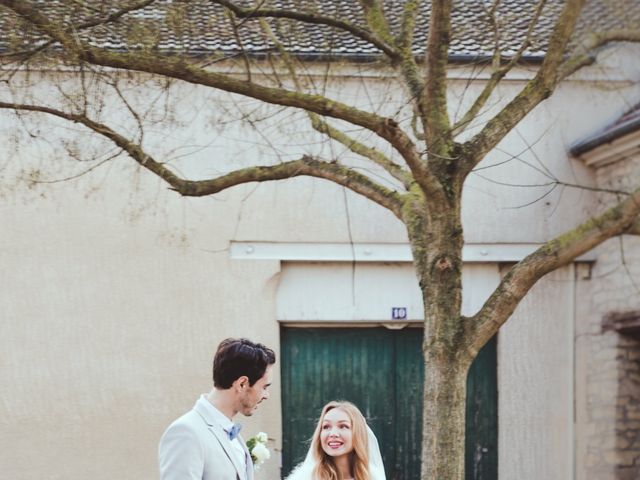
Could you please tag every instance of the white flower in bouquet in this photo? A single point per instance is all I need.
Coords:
(257, 446)
(261, 452)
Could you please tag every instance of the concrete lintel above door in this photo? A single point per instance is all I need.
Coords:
(376, 252)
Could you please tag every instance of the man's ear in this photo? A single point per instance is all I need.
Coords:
(241, 382)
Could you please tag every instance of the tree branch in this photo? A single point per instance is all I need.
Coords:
(415, 115)
(586, 56)
(177, 68)
(619, 219)
(306, 166)
(133, 149)
(409, 66)
(112, 17)
(536, 90)
(321, 126)
(437, 127)
(635, 228)
(376, 21)
(361, 149)
(499, 71)
(236, 34)
(312, 18)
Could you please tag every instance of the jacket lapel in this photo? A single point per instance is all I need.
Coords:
(248, 457)
(221, 436)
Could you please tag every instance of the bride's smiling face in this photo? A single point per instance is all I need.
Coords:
(336, 435)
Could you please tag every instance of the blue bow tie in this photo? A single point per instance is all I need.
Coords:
(235, 430)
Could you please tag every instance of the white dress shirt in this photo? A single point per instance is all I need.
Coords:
(226, 425)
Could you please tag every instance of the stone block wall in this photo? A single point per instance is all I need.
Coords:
(608, 362)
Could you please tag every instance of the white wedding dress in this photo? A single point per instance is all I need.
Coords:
(376, 467)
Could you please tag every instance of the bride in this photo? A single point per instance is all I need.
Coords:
(343, 447)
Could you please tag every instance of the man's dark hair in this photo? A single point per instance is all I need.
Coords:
(236, 357)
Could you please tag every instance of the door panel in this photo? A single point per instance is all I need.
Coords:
(481, 442)
(381, 371)
(409, 373)
(321, 365)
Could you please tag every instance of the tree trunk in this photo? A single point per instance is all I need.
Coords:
(443, 436)
(435, 233)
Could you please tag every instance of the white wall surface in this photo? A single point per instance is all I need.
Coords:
(108, 330)
(367, 292)
(197, 132)
(536, 379)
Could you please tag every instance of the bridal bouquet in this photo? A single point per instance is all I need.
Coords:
(257, 447)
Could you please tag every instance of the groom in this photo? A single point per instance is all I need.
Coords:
(204, 444)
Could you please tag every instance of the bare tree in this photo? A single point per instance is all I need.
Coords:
(432, 154)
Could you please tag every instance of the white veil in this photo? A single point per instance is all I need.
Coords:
(376, 468)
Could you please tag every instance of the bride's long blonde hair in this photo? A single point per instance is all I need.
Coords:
(325, 468)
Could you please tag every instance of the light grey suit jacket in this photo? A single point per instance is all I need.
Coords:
(195, 447)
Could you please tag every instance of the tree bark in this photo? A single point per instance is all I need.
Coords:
(443, 426)
(435, 233)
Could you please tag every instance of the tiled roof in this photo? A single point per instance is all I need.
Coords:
(200, 27)
(627, 123)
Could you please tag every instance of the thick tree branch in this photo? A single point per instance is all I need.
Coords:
(437, 127)
(306, 166)
(536, 90)
(409, 66)
(499, 70)
(312, 18)
(619, 219)
(376, 20)
(635, 228)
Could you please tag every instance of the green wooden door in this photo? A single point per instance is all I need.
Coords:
(381, 371)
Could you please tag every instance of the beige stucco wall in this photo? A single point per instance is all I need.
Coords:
(107, 335)
(115, 292)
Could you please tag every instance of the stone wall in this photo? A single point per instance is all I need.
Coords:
(608, 362)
